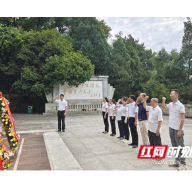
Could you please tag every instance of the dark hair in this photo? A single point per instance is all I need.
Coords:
(120, 102)
(62, 95)
(114, 101)
(124, 99)
(176, 91)
(106, 99)
(132, 97)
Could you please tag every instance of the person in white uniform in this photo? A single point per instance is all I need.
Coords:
(62, 111)
(119, 121)
(154, 121)
(124, 118)
(105, 114)
(132, 120)
(112, 115)
(176, 125)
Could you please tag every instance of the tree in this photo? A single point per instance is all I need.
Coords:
(36, 23)
(135, 64)
(119, 72)
(186, 51)
(8, 21)
(11, 41)
(155, 89)
(104, 28)
(89, 36)
(47, 58)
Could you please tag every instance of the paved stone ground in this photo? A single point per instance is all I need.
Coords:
(33, 153)
(94, 150)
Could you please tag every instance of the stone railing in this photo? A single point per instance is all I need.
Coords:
(86, 107)
(52, 107)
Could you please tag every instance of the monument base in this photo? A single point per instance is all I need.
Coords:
(86, 96)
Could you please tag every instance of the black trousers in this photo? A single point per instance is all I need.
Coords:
(121, 130)
(113, 127)
(125, 127)
(133, 129)
(106, 121)
(61, 117)
(154, 139)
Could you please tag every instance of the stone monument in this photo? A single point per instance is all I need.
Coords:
(86, 96)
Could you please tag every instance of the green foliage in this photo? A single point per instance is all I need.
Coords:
(155, 89)
(120, 73)
(11, 41)
(89, 36)
(36, 23)
(104, 28)
(44, 59)
(36, 53)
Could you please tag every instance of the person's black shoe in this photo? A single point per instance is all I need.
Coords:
(131, 144)
(111, 134)
(58, 130)
(63, 130)
(134, 146)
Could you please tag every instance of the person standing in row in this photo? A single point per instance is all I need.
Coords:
(119, 121)
(132, 116)
(124, 118)
(176, 125)
(112, 115)
(142, 118)
(62, 111)
(105, 114)
(154, 121)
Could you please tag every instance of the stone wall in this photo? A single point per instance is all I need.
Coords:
(79, 104)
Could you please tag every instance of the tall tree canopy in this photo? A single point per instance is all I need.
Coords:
(89, 36)
(33, 49)
(44, 58)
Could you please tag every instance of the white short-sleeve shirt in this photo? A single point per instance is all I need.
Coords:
(118, 107)
(105, 106)
(155, 115)
(132, 109)
(124, 112)
(61, 104)
(175, 110)
(111, 109)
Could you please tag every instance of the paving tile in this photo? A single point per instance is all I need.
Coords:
(85, 141)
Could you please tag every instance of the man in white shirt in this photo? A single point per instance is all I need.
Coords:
(132, 116)
(176, 125)
(62, 111)
(154, 121)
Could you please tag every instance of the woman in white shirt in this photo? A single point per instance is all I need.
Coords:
(124, 118)
(105, 114)
(119, 121)
(112, 115)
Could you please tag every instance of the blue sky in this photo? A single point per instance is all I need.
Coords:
(154, 32)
